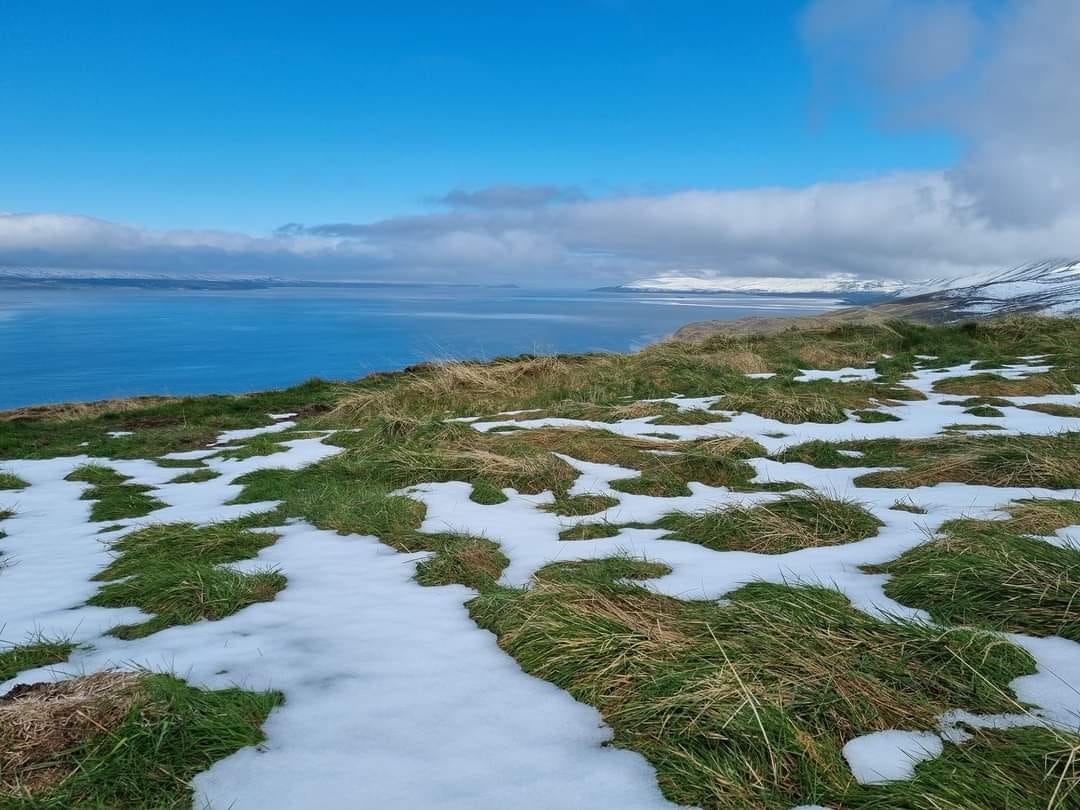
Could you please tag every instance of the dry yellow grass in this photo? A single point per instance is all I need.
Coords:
(82, 410)
(742, 360)
(38, 721)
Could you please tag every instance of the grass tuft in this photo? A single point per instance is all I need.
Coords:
(115, 499)
(113, 740)
(174, 571)
(789, 524)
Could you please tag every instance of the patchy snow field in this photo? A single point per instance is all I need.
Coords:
(395, 699)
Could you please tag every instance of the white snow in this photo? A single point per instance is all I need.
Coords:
(886, 756)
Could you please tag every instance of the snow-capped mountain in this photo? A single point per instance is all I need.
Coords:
(1045, 288)
(833, 284)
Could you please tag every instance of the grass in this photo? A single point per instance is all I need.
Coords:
(461, 560)
(114, 498)
(822, 401)
(985, 410)
(11, 481)
(579, 505)
(1054, 409)
(485, 492)
(789, 524)
(129, 742)
(159, 425)
(173, 571)
(907, 505)
(990, 574)
(36, 652)
(747, 704)
(998, 461)
(994, 385)
(589, 531)
(264, 444)
(196, 477)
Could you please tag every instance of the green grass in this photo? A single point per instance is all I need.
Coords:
(985, 410)
(147, 759)
(486, 493)
(160, 426)
(115, 499)
(460, 560)
(172, 571)
(589, 531)
(748, 704)
(196, 477)
(789, 524)
(11, 481)
(994, 385)
(264, 444)
(870, 417)
(1053, 409)
(580, 505)
(907, 505)
(690, 417)
(990, 574)
(998, 461)
(36, 652)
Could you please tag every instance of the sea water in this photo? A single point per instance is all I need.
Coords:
(60, 345)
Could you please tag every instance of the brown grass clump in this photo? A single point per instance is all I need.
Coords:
(994, 385)
(1053, 409)
(68, 411)
(1012, 461)
(39, 721)
(831, 356)
(476, 387)
(743, 361)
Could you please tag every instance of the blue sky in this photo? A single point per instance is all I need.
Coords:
(241, 117)
(780, 137)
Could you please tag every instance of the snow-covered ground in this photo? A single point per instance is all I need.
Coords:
(395, 699)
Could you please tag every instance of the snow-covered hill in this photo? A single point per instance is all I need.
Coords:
(836, 283)
(1045, 288)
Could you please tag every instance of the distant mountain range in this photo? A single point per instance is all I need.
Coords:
(38, 277)
(1047, 288)
(835, 284)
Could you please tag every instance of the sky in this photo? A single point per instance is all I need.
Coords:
(564, 144)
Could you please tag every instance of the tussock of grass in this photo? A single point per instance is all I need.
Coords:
(822, 401)
(998, 461)
(907, 505)
(173, 571)
(966, 427)
(196, 477)
(114, 498)
(589, 531)
(994, 385)
(264, 444)
(487, 493)
(577, 505)
(690, 417)
(985, 410)
(11, 481)
(35, 652)
(870, 417)
(113, 740)
(974, 402)
(460, 560)
(180, 463)
(749, 704)
(986, 574)
(789, 524)
(1053, 409)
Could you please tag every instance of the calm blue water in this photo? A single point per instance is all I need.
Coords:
(61, 345)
